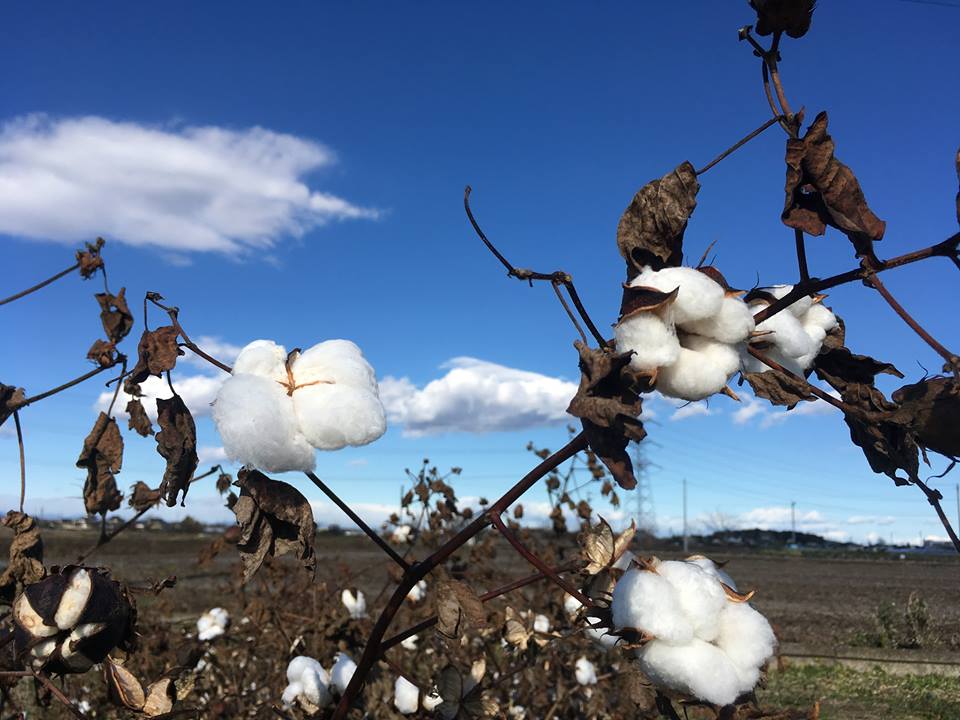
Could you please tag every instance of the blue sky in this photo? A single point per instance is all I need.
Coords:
(297, 174)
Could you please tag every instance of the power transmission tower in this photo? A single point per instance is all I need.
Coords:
(643, 494)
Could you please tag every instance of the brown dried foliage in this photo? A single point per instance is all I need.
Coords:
(158, 352)
(26, 556)
(177, 444)
(102, 456)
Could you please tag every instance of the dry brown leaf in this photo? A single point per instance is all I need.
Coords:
(931, 409)
(11, 398)
(651, 228)
(224, 481)
(161, 696)
(115, 316)
(177, 444)
(637, 299)
(821, 191)
(457, 606)
(778, 388)
(142, 497)
(26, 556)
(123, 688)
(102, 456)
(275, 519)
(103, 353)
(609, 409)
(137, 418)
(157, 353)
(90, 260)
(516, 630)
(788, 16)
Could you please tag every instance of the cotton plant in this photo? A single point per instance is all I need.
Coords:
(407, 698)
(277, 408)
(356, 604)
(684, 329)
(342, 670)
(585, 672)
(418, 592)
(794, 336)
(212, 624)
(308, 685)
(402, 534)
(696, 635)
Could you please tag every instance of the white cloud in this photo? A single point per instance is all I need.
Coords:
(778, 517)
(216, 347)
(693, 409)
(871, 520)
(750, 406)
(197, 391)
(803, 409)
(179, 189)
(211, 454)
(477, 396)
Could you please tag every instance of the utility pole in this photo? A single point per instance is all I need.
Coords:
(958, 504)
(643, 494)
(793, 522)
(686, 541)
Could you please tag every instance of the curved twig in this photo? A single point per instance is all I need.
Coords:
(40, 285)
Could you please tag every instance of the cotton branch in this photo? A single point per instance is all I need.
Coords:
(174, 313)
(934, 497)
(557, 278)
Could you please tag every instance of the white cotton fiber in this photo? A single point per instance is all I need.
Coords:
(700, 596)
(418, 592)
(410, 643)
(342, 671)
(690, 377)
(571, 605)
(339, 361)
(406, 696)
(264, 358)
(212, 624)
(541, 624)
(308, 681)
(733, 323)
(585, 671)
(721, 355)
(647, 601)
(698, 669)
(750, 364)
(356, 605)
(819, 316)
(652, 340)
(786, 332)
(699, 296)
(258, 426)
(334, 416)
(798, 307)
(601, 636)
(74, 599)
(623, 562)
(710, 567)
(746, 637)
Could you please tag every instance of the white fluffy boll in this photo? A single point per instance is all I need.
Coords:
(713, 569)
(646, 601)
(307, 681)
(691, 377)
(697, 668)
(273, 420)
(342, 671)
(732, 324)
(787, 334)
(699, 296)
(418, 592)
(406, 696)
(356, 605)
(798, 307)
(700, 596)
(212, 624)
(747, 639)
(653, 340)
(585, 672)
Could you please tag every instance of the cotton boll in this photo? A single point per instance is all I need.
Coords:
(601, 636)
(652, 340)
(746, 637)
(74, 599)
(356, 605)
(264, 358)
(212, 624)
(700, 596)
(691, 377)
(417, 592)
(571, 605)
(699, 296)
(308, 681)
(406, 696)
(431, 701)
(820, 316)
(585, 671)
(787, 334)
(646, 601)
(733, 323)
(697, 668)
(258, 426)
(410, 643)
(711, 568)
(338, 361)
(290, 694)
(725, 357)
(798, 307)
(342, 671)
(541, 624)
(750, 364)
(401, 534)
(334, 416)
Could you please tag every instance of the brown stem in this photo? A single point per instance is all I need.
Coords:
(951, 359)
(573, 319)
(116, 390)
(40, 285)
(486, 597)
(23, 459)
(765, 74)
(539, 564)
(812, 389)
(174, 313)
(58, 693)
(558, 276)
(739, 144)
(947, 248)
(801, 256)
(61, 388)
(358, 521)
(106, 537)
(934, 497)
(420, 570)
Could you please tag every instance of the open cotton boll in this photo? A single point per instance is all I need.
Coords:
(699, 594)
(541, 624)
(601, 636)
(74, 599)
(410, 643)
(710, 567)
(342, 671)
(212, 624)
(733, 323)
(258, 426)
(307, 680)
(401, 533)
(406, 696)
(699, 296)
(417, 592)
(585, 671)
(356, 605)
(646, 601)
(571, 605)
(750, 364)
(334, 416)
(798, 307)
(697, 668)
(746, 637)
(787, 334)
(263, 358)
(653, 341)
(725, 357)
(691, 377)
(820, 316)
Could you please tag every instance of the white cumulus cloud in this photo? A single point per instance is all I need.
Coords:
(477, 396)
(181, 189)
(197, 391)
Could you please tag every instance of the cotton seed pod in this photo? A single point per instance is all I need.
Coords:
(71, 620)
